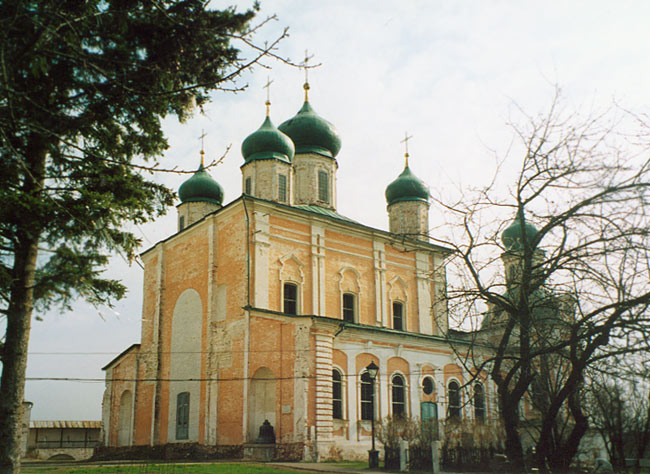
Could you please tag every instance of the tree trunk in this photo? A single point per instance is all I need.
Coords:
(565, 453)
(19, 315)
(514, 449)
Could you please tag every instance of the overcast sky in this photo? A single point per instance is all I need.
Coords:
(452, 74)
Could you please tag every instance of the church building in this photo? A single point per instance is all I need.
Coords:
(272, 306)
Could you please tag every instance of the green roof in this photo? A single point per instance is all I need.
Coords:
(201, 188)
(407, 187)
(266, 143)
(324, 212)
(514, 236)
(311, 133)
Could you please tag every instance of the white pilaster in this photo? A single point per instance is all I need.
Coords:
(324, 423)
(211, 362)
(318, 269)
(423, 277)
(384, 399)
(381, 296)
(261, 228)
(352, 381)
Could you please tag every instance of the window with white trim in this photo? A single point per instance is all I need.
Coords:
(290, 298)
(366, 396)
(337, 394)
(349, 307)
(398, 395)
(453, 401)
(398, 315)
(479, 402)
(323, 187)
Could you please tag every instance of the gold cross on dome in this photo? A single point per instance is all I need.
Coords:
(267, 86)
(203, 135)
(305, 67)
(407, 137)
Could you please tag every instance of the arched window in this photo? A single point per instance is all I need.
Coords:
(323, 187)
(427, 385)
(182, 415)
(398, 395)
(290, 303)
(398, 315)
(479, 402)
(453, 400)
(349, 307)
(366, 397)
(337, 395)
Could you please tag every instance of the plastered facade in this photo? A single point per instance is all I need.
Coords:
(409, 217)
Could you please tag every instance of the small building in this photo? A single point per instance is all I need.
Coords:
(74, 440)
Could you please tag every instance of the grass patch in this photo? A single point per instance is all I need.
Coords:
(214, 468)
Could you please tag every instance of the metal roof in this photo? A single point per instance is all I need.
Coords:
(66, 424)
(324, 211)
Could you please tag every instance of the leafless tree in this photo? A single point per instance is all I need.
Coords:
(618, 406)
(541, 298)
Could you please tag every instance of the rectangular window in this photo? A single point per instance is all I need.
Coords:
(398, 316)
(248, 186)
(290, 298)
(181, 222)
(282, 188)
(323, 186)
(349, 307)
(182, 415)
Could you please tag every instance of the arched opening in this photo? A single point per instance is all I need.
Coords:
(366, 397)
(479, 402)
(337, 395)
(261, 401)
(185, 368)
(124, 419)
(398, 396)
(453, 398)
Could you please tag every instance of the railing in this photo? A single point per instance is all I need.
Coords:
(67, 444)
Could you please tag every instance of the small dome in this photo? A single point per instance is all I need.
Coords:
(266, 143)
(201, 188)
(407, 187)
(311, 133)
(512, 236)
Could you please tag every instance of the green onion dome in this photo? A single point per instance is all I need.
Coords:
(311, 133)
(201, 188)
(266, 143)
(512, 237)
(407, 187)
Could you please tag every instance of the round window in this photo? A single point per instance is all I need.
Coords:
(427, 385)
